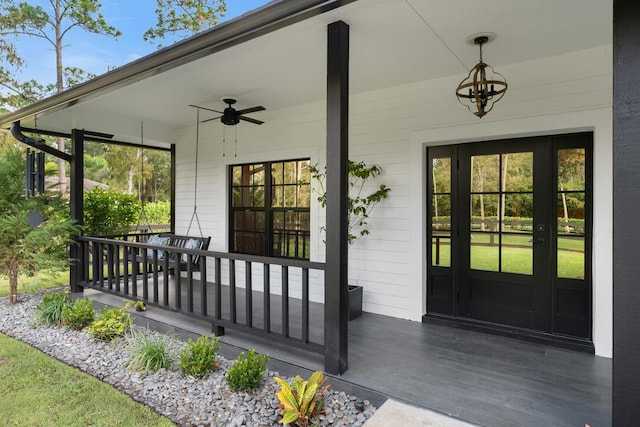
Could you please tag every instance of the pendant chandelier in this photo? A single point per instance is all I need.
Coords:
(483, 87)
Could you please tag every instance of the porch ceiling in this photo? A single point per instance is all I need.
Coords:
(393, 42)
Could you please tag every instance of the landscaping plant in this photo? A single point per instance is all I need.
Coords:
(51, 308)
(246, 372)
(199, 358)
(150, 353)
(359, 206)
(111, 323)
(79, 314)
(301, 400)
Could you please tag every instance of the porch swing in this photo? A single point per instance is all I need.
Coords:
(178, 261)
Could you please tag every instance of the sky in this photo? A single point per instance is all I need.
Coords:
(98, 54)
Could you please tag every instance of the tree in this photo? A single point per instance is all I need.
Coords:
(179, 19)
(33, 232)
(52, 26)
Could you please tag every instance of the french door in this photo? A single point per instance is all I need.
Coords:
(510, 236)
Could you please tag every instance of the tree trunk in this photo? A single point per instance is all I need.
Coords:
(565, 210)
(13, 286)
(62, 172)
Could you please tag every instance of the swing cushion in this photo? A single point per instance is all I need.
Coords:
(191, 244)
(158, 241)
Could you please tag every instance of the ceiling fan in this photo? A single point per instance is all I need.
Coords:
(230, 116)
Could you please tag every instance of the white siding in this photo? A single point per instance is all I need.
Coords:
(392, 127)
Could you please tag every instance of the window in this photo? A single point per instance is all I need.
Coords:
(270, 209)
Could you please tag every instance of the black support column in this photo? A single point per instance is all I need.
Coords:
(173, 189)
(76, 200)
(336, 318)
(626, 211)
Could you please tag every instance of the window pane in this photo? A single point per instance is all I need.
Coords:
(237, 175)
(518, 212)
(305, 172)
(290, 196)
(442, 175)
(258, 197)
(485, 173)
(571, 232)
(441, 249)
(484, 212)
(571, 169)
(517, 171)
(484, 251)
(517, 254)
(571, 257)
(276, 173)
(441, 208)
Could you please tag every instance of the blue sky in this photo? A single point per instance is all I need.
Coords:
(97, 54)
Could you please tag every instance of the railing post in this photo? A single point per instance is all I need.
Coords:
(76, 202)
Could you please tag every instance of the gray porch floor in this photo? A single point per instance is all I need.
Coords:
(477, 377)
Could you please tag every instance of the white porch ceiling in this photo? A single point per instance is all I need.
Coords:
(393, 42)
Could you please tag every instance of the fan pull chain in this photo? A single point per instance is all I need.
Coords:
(235, 142)
(224, 141)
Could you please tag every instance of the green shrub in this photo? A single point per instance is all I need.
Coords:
(199, 358)
(150, 353)
(79, 314)
(50, 309)
(301, 400)
(109, 212)
(111, 323)
(247, 371)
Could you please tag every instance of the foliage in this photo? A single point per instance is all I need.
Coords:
(24, 248)
(199, 358)
(112, 323)
(359, 206)
(156, 213)
(183, 18)
(109, 212)
(301, 400)
(38, 390)
(150, 353)
(246, 372)
(140, 306)
(79, 314)
(51, 308)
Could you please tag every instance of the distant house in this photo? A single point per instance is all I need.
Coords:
(504, 223)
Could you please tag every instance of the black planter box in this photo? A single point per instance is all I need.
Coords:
(355, 301)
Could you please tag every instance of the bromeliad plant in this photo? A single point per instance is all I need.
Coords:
(358, 205)
(301, 400)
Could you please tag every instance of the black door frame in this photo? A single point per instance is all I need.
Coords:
(443, 290)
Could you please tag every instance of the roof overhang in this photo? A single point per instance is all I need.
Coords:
(276, 56)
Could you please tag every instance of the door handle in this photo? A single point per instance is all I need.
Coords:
(538, 240)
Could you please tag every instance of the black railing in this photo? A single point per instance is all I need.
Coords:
(176, 279)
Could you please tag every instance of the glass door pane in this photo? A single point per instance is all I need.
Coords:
(441, 212)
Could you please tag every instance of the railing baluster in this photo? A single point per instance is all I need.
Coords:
(305, 305)
(203, 285)
(285, 301)
(165, 279)
(267, 297)
(178, 280)
(232, 290)
(125, 262)
(145, 277)
(248, 294)
(155, 274)
(110, 266)
(190, 283)
(116, 266)
(135, 267)
(218, 330)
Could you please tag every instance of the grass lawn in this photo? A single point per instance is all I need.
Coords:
(38, 390)
(40, 280)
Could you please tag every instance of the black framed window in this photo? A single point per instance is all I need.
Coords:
(269, 212)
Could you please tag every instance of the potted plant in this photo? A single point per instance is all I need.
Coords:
(360, 207)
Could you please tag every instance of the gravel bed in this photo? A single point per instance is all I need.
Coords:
(187, 401)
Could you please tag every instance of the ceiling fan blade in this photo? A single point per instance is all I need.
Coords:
(204, 108)
(251, 110)
(208, 120)
(250, 120)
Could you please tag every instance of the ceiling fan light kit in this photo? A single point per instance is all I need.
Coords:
(483, 87)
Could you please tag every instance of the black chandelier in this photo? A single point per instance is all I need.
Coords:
(483, 87)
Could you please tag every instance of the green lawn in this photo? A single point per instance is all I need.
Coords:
(516, 259)
(41, 280)
(38, 390)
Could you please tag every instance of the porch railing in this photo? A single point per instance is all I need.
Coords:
(244, 294)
